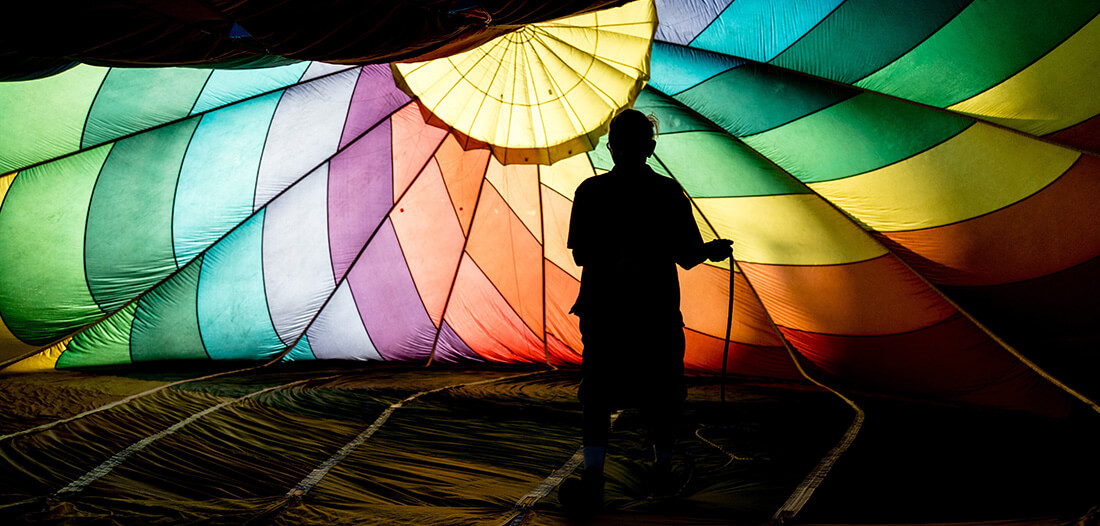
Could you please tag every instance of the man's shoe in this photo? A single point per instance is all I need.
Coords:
(583, 496)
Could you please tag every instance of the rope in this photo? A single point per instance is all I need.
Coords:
(311, 480)
(110, 464)
(729, 327)
(130, 398)
(732, 457)
(526, 502)
(802, 493)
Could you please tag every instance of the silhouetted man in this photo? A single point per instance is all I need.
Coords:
(628, 230)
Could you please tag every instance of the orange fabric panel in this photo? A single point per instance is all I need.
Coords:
(463, 172)
(561, 292)
(413, 144)
(519, 185)
(430, 237)
(952, 361)
(877, 296)
(555, 216)
(485, 321)
(704, 356)
(1052, 230)
(509, 256)
(704, 296)
(560, 353)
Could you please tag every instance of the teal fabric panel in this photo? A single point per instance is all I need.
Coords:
(233, 316)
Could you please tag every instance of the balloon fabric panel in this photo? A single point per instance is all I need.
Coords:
(338, 332)
(509, 255)
(129, 225)
(876, 164)
(166, 322)
(35, 126)
(431, 238)
(1036, 236)
(43, 216)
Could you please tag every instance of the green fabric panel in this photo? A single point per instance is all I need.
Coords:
(44, 118)
(861, 36)
(138, 99)
(987, 43)
(861, 134)
(673, 116)
(713, 164)
(166, 325)
(755, 98)
(43, 291)
(129, 235)
(106, 343)
(600, 157)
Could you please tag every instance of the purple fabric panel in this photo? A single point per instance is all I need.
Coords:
(375, 98)
(360, 194)
(682, 21)
(392, 312)
(451, 348)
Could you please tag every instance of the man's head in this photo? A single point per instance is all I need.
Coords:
(631, 138)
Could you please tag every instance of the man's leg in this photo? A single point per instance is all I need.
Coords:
(585, 495)
(595, 433)
(662, 425)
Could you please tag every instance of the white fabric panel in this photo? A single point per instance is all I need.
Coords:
(297, 267)
(338, 332)
(305, 132)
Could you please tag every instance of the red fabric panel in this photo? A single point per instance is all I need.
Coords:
(1046, 317)
(704, 356)
(950, 361)
(1050, 231)
(1085, 135)
(560, 353)
(561, 292)
(484, 320)
(878, 296)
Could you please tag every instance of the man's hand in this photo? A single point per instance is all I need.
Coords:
(718, 250)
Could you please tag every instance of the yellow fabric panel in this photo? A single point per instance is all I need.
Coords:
(10, 346)
(708, 234)
(545, 91)
(1057, 91)
(982, 169)
(566, 175)
(793, 229)
(42, 361)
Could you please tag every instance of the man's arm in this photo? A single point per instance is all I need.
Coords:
(693, 250)
(579, 227)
